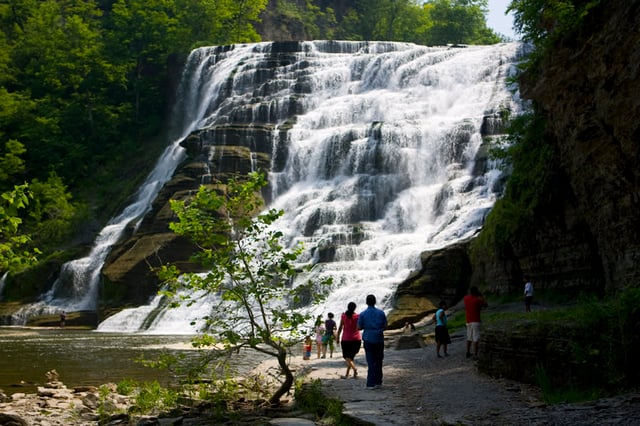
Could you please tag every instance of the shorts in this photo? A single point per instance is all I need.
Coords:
(473, 332)
(326, 338)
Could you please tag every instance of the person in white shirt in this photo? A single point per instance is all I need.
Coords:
(528, 293)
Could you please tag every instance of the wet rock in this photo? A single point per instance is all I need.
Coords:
(91, 400)
(10, 419)
(52, 376)
(445, 274)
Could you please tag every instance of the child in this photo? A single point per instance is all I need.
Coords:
(442, 333)
(319, 333)
(307, 348)
(328, 337)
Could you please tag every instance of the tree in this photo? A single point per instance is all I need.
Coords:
(434, 22)
(459, 22)
(13, 254)
(537, 20)
(57, 55)
(251, 271)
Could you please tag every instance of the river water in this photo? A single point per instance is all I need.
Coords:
(84, 357)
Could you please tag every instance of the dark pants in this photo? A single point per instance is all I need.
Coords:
(527, 302)
(375, 354)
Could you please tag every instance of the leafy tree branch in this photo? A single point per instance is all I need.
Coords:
(248, 269)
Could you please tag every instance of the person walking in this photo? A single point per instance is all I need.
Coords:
(528, 293)
(473, 304)
(373, 321)
(319, 329)
(350, 341)
(329, 335)
(442, 332)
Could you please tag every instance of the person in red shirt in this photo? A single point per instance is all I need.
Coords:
(350, 341)
(473, 304)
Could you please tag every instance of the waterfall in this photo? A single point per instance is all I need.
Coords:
(76, 288)
(382, 158)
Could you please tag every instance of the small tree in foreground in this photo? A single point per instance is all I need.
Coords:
(249, 270)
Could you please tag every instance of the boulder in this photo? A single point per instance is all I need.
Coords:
(445, 275)
(414, 341)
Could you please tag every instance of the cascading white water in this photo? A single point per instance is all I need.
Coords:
(76, 288)
(3, 281)
(381, 163)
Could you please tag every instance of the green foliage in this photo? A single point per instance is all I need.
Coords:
(11, 162)
(434, 22)
(309, 398)
(530, 158)
(50, 217)
(151, 397)
(318, 24)
(249, 268)
(553, 395)
(126, 387)
(459, 22)
(148, 397)
(15, 253)
(599, 332)
(103, 394)
(545, 22)
(542, 21)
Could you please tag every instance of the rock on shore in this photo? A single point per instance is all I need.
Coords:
(56, 405)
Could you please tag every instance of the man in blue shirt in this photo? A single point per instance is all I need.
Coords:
(372, 321)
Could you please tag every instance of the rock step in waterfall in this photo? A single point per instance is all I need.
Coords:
(376, 151)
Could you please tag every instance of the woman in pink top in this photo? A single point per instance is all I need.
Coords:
(350, 341)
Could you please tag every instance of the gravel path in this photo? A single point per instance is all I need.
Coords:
(421, 389)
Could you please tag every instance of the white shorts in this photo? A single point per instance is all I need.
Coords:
(473, 332)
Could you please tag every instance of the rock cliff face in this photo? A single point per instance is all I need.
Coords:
(588, 89)
(588, 237)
